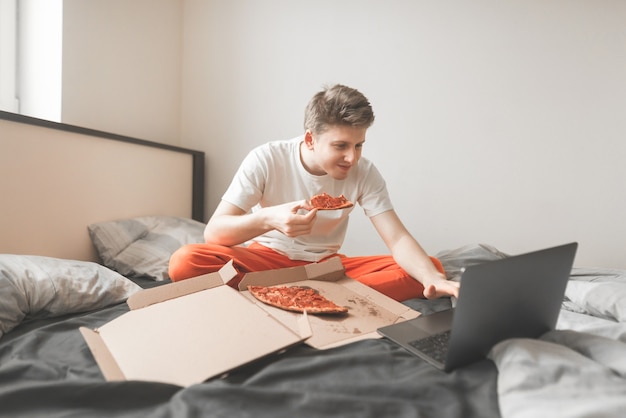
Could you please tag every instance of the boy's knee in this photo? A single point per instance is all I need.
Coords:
(180, 262)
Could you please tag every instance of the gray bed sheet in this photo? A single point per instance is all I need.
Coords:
(46, 369)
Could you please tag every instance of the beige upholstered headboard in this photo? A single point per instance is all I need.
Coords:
(56, 179)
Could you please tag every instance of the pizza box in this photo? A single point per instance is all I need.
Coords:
(187, 332)
(368, 309)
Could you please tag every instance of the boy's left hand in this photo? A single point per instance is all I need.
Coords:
(440, 288)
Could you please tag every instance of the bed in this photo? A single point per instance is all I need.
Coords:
(90, 218)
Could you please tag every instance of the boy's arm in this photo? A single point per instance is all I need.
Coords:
(230, 225)
(411, 257)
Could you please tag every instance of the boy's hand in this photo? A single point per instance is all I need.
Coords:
(440, 288)
(286, 218)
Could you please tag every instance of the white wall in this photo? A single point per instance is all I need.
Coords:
(497, 122)
(122, 66)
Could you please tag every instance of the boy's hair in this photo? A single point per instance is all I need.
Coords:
(337, 105)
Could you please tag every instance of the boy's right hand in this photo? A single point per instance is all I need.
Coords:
(288, 219)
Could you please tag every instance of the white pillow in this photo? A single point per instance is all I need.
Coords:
(142, 246)
(38, 287)
(599, 294)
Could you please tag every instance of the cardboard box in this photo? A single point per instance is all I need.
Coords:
(187, 332)
(190, 331)
(368, 309)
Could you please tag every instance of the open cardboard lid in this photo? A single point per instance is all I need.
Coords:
(187, 332)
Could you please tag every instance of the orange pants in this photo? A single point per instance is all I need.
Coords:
(379, 272)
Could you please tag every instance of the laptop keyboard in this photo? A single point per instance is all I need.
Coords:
(435, 346)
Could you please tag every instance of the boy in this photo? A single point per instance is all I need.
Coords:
(268, 203)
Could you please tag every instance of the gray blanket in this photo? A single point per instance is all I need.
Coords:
(46, 370)
(578, 370)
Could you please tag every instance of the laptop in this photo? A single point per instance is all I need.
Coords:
(516, 297)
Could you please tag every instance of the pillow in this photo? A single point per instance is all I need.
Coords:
(39, 287)
(602, 298)
(141, 247)
(454, 261)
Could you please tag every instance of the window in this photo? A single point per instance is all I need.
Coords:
(31, 56)
(8, 56)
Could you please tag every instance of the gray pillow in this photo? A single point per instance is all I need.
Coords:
(599, 292)
(141, 247)
(39, 287)
(454, 261)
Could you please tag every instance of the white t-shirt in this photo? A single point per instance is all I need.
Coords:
(273, 174)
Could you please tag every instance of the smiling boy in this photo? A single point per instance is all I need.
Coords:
(266, 206)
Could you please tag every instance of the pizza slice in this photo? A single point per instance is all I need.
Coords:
(324, 201)
(296, 299)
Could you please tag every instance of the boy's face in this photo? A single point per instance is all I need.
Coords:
(335, 151)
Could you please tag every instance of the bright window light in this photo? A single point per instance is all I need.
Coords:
(40, 58)
(8, 62)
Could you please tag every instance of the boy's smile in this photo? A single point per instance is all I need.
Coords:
(333, 152)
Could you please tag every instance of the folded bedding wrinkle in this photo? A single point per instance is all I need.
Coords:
(605, 351)
(564, 374)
